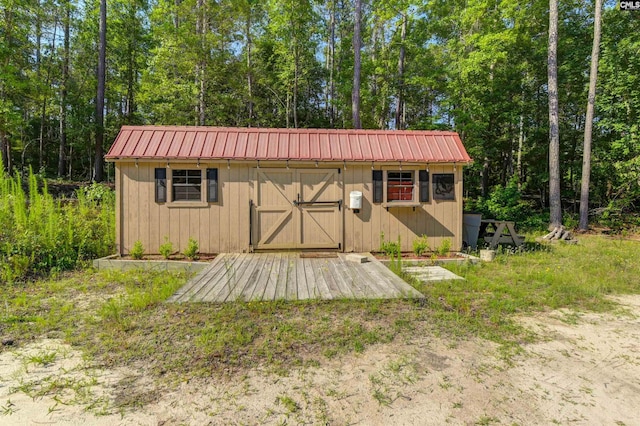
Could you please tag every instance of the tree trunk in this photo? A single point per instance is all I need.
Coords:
(98, 175)
(357, 45)
(554, 137)
(331, 58)
(588, 125)
(400, 125)
(295, 84)
(519, 154)
(38, 28)
(200, 66)
(131, 68)
(249, 70)
(63, 92)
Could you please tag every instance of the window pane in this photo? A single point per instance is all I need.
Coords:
(186, 185)
(443, 186)
(399, 186)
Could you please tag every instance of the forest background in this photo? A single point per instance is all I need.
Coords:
(478, 67)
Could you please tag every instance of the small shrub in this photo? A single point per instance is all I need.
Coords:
(389, 248)
(420, 245)
(137, 251)
(191, 252)
(166, 248)
(445, 247)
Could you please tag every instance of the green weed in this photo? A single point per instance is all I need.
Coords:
(43, 358)
(288, 403)
(390, 248)
(166, 248)
(40, 234)
(444, 248)
(420, 245)
(191, 252)
(137, 251)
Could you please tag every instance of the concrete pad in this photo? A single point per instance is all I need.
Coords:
(431, 273)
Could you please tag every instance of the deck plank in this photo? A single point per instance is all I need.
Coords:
(272, 279)
(301, 280)
(292, 283)
(310, 279)
(324, 292)
(284, 273)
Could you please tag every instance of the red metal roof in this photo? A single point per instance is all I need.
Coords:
(230, 143)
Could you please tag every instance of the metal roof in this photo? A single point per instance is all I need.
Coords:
(230, 143)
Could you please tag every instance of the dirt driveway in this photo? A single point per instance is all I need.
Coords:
(586, 370)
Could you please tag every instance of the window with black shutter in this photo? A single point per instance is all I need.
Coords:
(423, 178)
(399, 186)
(377, 186)
(212, 185)
(161, 185)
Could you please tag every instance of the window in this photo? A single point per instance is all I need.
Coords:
(186, 185)
(443, 186)
(161, 185)
(399, 186)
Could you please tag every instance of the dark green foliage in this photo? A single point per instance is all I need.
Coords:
(39, 234)
(506, 203)
(473, 67)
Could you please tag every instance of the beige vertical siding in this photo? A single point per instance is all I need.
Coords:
(437, 219)
(218, 227)
(224, 226)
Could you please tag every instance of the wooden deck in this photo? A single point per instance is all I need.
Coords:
(287, 276)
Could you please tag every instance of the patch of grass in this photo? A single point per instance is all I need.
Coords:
(288, 403)
(43, 358)
(576, 277)
(8, 408)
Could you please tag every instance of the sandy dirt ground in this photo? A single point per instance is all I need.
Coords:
(585, 370)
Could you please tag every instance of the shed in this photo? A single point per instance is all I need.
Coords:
(245, 189)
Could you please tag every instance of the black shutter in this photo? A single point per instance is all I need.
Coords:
(377, 186)
(161, 185)
(212, 185)
(424, 186)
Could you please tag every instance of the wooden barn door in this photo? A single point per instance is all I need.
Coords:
(273, 209)
(296, 209)
(320, 208)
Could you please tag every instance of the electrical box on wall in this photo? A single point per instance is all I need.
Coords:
(355, 201)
